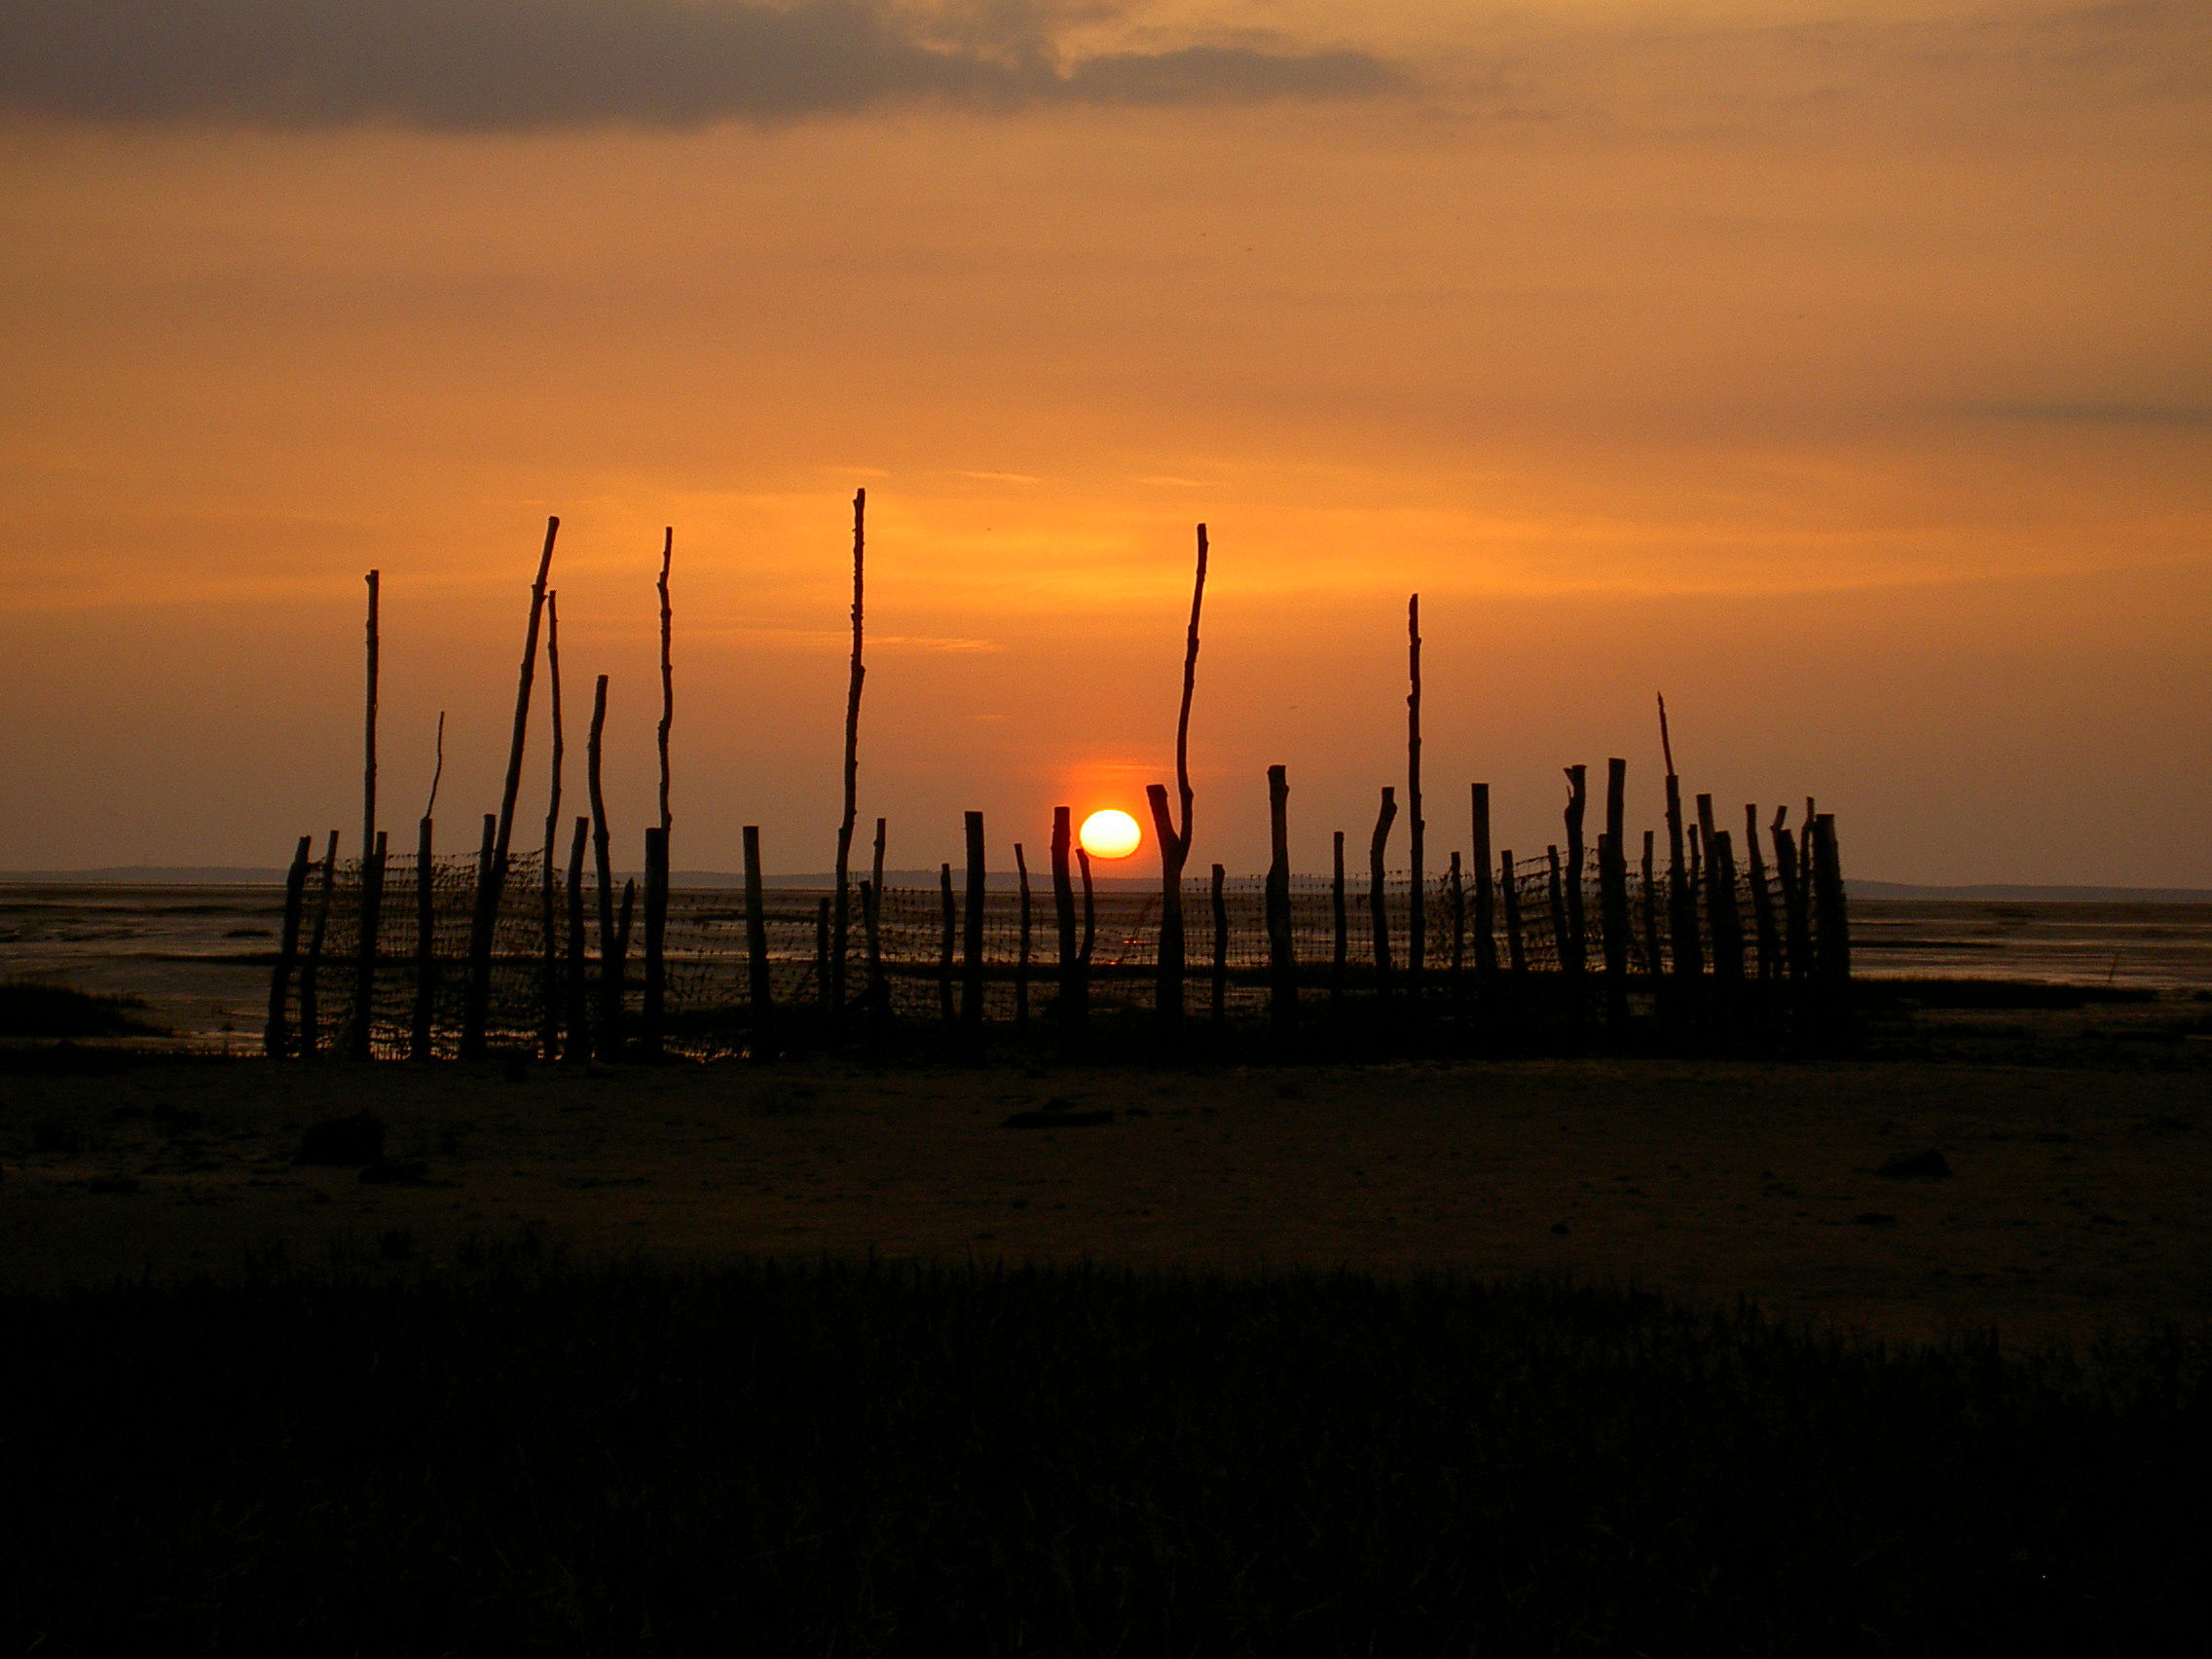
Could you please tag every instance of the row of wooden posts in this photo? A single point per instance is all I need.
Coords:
(1799, 920)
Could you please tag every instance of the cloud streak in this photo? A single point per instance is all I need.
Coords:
(523, 66)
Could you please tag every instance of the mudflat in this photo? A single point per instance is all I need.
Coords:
(2078, 1199)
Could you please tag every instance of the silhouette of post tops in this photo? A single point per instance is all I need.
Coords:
(1722, 936)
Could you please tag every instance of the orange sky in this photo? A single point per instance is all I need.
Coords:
(1840, 368)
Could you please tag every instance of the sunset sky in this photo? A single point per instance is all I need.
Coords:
(1842, 368)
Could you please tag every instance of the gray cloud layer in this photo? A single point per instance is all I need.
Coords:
(481, 65)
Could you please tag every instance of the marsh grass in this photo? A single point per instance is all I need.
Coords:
(501, 1453)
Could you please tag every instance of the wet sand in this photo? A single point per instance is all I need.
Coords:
(2079, 1203)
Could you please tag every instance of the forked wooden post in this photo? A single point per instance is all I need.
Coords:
(1219, 894)
(489, 889)
(310, 974)
(1069, 1008)
(607, 1043)
(1377, 889)
(1023, 941)
(276, 1034)
(1417, 826)
(972, 931)
(856, 672)
(760, 985)
(1173, 833)
(1486, 898)
(1282, 947)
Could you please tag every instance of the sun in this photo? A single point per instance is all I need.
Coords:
(1110, 835)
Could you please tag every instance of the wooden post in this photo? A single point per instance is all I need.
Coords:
(1653, 959)
(1282, 946)
(1724, 917)
(1485, 906)
(1681, 897)
(1174, 834)
(576, 1047)
(1022, 942)
(1509, 891)
(949, 932)
(1378, 889)
(1555, 895)
(1574, 944)
(311, 975)
(1219, 999)
(1339, 921)
(1417, 827)
(360, 1042)
(1831, 910)
(1762, 900)
(490, 890)
(1796, 910)
(1456, 896)
(761, 986)
(421, 1029)
(1070, 1008)
(607, 1043)
(652, 1017)
(1089, 917)
(276, 1034)
(549, 899)
(841, 924)
(972, 934)
(1612, 892)
(369, 721)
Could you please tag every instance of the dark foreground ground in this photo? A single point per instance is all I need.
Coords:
(1315, 1360)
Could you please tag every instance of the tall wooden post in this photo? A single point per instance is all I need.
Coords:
(652, 1017)
(1417, 826)
(1340, 926)
(1612, 892)
(1174, 833)
(310, 974)
(549, 904)
(1796, 909)
(360, 1043)
(761, 984)
(856, 672)
(1070, 1008)
(488, 891)
(971, 940)
(576, 1047)
(1654, 960)
(1089, 917)
(1831, 909)
(276, 1034)
(1282, 948)
(1378, 889)
(607, 1043)
(421, 1029)
(950, 930)
(1486, 905)
(1022, 942)
(1219, 998)
(369, 720)
(1574, 944)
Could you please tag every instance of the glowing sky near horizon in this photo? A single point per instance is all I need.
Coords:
(1841, 367)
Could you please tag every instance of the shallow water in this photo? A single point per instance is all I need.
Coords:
(198, 955)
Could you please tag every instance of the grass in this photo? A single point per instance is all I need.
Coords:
(28, 1008)
(505, 1454)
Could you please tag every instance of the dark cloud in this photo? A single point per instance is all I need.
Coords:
(483, 65)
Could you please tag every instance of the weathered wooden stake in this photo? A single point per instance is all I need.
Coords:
(972, 934)
(761, 984)
(1575, 943)
(1417, 826)
(1282, 947)
(1762, 900)
(276, 1034)
(1612, 892)
(422, 1028)
(1089, 915)
(1509, 892)
(360, 1042)
(1069, 1008)
(1687, 950)
(1831, 909)
(950, 928)
(1796, 911)
(490, 890)
(369, 720)
(1022, 942)
(607, 1043)
(576, 1047)
(1486, 901)
(856, 672)
(1654, 960)
(1725, 916)
(1456, 897)
(1554, 894)
(549, 899)
(1174, 833)
(1378, 889)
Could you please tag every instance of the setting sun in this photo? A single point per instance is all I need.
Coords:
(1110, 835)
